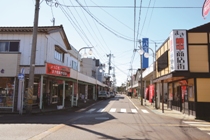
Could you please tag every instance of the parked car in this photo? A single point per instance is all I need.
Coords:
(103, 95)
(108, 94)
(112, 94)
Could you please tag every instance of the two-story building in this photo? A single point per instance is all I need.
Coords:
(183, 62)
(56, 68)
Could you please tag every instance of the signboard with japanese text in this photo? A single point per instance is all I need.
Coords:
(178, 51)
(57, 70)
(145, 46)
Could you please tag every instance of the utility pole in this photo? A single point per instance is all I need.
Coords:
(114, 79)
(141, 79)
(33, 58)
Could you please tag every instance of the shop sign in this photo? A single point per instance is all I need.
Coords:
(145, 47)
(57, 70)
(178, 51)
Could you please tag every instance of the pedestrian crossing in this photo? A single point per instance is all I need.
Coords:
(116, 110)
(201, 125)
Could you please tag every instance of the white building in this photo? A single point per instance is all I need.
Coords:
(55, 67)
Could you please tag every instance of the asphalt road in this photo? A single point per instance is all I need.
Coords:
(117, 118)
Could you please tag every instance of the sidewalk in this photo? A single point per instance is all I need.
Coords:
(36, 110)
(166, 111)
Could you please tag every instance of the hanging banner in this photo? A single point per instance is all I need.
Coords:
(145, 93)
(178, 51)
(151, 92)
(145, 46)
(206, 8)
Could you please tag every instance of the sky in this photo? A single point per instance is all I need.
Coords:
(110, 26)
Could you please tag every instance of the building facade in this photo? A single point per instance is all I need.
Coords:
(55, 75)
(183, 62)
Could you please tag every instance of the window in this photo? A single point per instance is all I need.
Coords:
(9, 46)
(162, 61)
(94, 74)
(74, 65)
(59, 53)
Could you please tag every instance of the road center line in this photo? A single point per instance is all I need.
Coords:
(46, 133)
(133, 104)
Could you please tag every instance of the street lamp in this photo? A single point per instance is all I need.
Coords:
(142, 52)
(90, 53)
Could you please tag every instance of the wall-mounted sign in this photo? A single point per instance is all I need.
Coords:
(178, 51)
(57, 70)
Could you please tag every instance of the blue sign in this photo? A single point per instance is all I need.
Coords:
(145, 47)
(20, 76)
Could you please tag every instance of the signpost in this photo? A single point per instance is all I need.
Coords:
(21, 77)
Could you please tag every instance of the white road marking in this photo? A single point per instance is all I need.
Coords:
(144, 111)
(101, 110)
(204, 128)
(112, 110)
(123, 110)
(133, 110)
(133, 103)
(91, 110)
(208, 133)
(205, 125)
(195, 122)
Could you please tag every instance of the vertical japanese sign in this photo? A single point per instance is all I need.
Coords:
(206, 8)
(178, 51)
(145, 46)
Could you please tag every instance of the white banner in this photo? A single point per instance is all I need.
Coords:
(178, 51)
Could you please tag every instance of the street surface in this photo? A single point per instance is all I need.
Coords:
(117, 118)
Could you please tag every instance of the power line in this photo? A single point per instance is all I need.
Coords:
(103, 25)
(72, 23)
(145, 19)
(151, 16)
(145, 7)
(113, 17)
(95, 33)
(138, 23)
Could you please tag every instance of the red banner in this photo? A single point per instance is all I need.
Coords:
(145, 93)
(57, 70)
(151, 92)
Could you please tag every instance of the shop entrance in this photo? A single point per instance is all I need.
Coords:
(184, 99)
